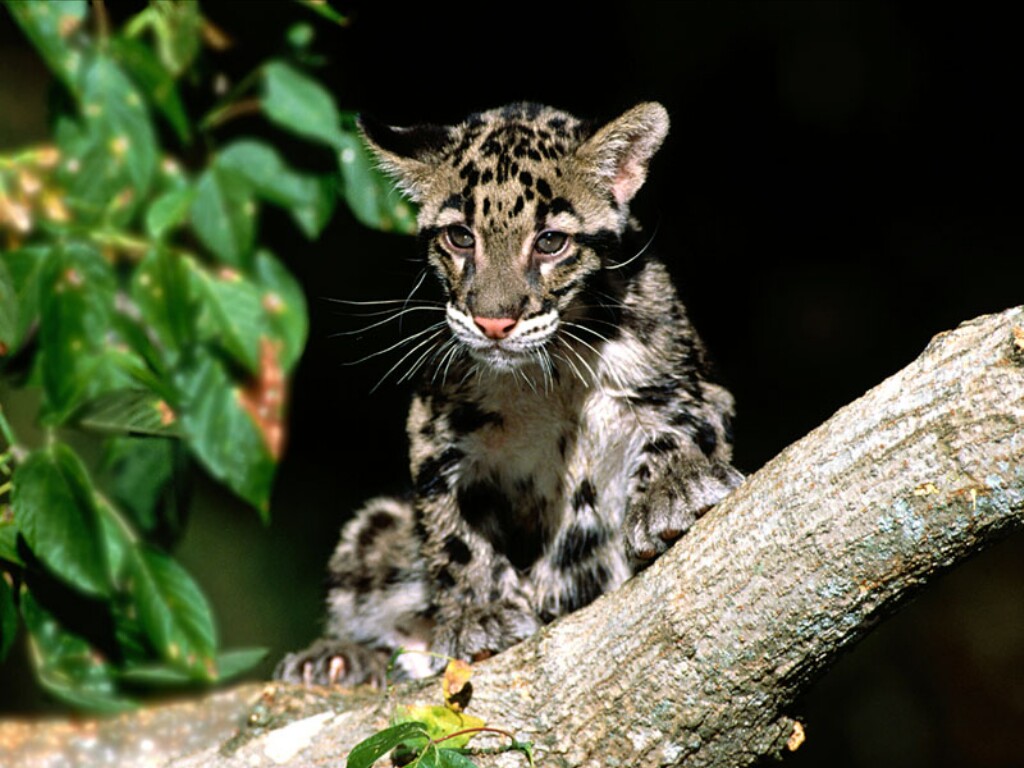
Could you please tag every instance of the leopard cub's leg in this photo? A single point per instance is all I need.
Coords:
(683, 471)
(378, 601)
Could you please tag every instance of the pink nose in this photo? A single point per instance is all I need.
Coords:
(496, 327)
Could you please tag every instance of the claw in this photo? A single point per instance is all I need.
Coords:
(336, 669)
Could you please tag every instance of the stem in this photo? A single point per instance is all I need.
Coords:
(127, 243)
(5, 430)
(119, 520)
(102, 21)
(213, 118)
(481, 729)
(322, 8)
(229, 112)
(134, 247)
(45, 155)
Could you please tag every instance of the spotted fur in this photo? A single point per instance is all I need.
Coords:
(567, 431)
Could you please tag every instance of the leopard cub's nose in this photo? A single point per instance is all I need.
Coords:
(496, 327)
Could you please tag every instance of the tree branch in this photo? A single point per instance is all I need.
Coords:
(695, 661)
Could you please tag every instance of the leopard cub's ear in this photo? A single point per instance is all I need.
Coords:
(409, 155)
(618, 153)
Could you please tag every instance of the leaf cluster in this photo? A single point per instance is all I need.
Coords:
(140, 313)
(435, 736)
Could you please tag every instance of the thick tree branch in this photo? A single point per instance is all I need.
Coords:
(694, 662)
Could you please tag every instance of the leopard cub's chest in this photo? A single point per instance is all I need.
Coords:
(536, 459)
(522, 434)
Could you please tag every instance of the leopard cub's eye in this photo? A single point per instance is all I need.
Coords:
(551, 242)
(459, 237)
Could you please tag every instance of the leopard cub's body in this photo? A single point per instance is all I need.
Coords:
(566, 433)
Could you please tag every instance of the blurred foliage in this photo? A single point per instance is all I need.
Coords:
(137, 301)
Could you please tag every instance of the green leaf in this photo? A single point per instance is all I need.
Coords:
(66, 664)
(228, 665)
(372, 197)
(141, 361)
(111, 151)
(449, 758)
(23, 268)
(309, 199)
(235, 316)
(439, 757)
(154, 674)
(118, 542)
(299, 104)
(174, 613)
(177, 28)
(80, 357)
(110, 100)
(56, 514)
(8, 615)
(141, 475)
(8, 312)
(224, 215)
(367, 752)
(222, 434)
(169, 211)
(9, 542)
(133, 644)
(285, 302)
(52, 28)
(161, 289)
(156, 82)
(440, 721)
(129, 411)
(238, 660)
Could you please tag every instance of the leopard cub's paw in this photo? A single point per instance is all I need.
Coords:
(333, 662)
(481, 631)
(672, 504)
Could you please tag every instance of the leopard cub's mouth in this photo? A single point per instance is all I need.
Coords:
(515, 343)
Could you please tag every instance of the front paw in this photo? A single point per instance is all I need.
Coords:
(334, 662)
(670, 505)
(480, 631)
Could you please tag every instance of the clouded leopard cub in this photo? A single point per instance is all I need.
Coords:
(567, 433)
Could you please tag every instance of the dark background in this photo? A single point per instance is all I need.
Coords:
(841, 183)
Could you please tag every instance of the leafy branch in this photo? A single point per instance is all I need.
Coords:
(436, 736)
(141, 312)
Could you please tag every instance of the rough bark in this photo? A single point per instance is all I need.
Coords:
(695, 661)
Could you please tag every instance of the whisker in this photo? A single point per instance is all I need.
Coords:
(377, 302)
(426, 355)
(579, 357)
(447, 353)
(587, 344)
(416, 287)
(391, 315)
(430, 339)
(599, 306)
(571, 364)
(539, 356)
(639, 253)
(599, 335)
(435, 327)
(448, 347)
(526, 379)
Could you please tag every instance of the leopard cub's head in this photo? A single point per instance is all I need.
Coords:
(518, 207)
